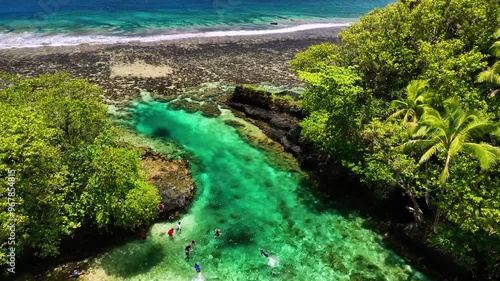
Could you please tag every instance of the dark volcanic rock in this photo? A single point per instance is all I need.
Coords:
(251, 96)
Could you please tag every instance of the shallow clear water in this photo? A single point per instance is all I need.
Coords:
(257, 206)
(68, 22)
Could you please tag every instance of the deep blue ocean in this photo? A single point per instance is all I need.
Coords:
(66, 22)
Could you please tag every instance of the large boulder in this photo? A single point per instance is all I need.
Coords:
(173, 180)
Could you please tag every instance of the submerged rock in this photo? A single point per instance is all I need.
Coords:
(207, 108)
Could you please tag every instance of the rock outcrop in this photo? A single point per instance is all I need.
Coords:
(280, 117)
(173, 179)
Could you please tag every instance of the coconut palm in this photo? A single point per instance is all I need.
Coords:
(417, 98)
(452, 134)
(495, 48)
(492, 74)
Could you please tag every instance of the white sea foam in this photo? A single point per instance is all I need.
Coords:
(32, 40)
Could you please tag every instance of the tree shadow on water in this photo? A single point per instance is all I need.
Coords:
(130, 262)
(310, 197)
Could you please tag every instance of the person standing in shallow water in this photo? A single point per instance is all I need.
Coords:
(170, 232)
(178, 228)
(188, 251)
(217, 233)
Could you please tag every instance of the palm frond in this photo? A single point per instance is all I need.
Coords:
(417, 144)
(477, 128)
(426, 96)
(495, 49)
(455, 146)
(431, 151)
(496, 67)
(415, 88)
(398, 104)
(421, 131)
(432, 119)
(496, 34)
(489, 75)
(485, 153)
(396, 114)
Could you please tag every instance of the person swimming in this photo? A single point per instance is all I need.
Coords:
(198, 270)
(192, 243)
(217, 233)
(262, 252)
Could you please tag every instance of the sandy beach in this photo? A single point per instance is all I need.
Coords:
(170, 67)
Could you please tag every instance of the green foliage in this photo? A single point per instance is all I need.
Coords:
(314, 58)
(471, 197)
(72, 106)
(402, 53)
(451, 71)
(387, 44)
(336, 102)
(417, 99)
(492, 74)
(452, 134)
(27, 146)
(70, 172)
(114, 185)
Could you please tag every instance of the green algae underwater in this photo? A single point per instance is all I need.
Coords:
(256, 205)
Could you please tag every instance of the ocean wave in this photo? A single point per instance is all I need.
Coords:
(33, 40)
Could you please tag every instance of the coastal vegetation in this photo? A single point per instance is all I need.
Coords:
(71, 172)
(407, 101)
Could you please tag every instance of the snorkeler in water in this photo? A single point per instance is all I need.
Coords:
(262, 252)
(198, 270)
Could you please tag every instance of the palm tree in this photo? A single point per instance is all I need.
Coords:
(495, 48)
(492, 74)
(453, 134)
(417, 99)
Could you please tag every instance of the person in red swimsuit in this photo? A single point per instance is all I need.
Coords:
(171, 232)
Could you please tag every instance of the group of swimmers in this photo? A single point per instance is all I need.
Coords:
(190, 247)
(170, 232)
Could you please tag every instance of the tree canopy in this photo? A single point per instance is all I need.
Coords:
(423, 58)
(70, 171)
